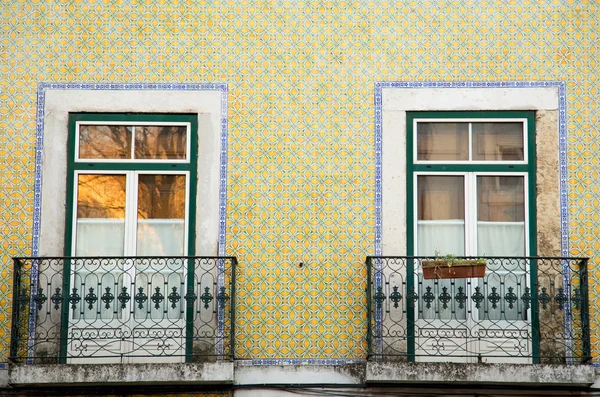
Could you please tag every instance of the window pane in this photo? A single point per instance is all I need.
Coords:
(442, 141)
(501, 198)
(100, 215)
(104, 142)
(501, 232)
(160, 142)
(161, 215)
(501, 215)
(440, 231)
(498, 141)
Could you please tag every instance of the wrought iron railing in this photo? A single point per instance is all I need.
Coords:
(127, 309)
(525, 310)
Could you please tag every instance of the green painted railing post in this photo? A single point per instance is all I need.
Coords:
(232, 327)
(535, 312)
(585, 313)
(410, 310)
(189, 310)
(369, 309)
(64, 328)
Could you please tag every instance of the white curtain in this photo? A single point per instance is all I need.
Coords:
(100, 237)
(440, 238)
(503, 239)
(105, 237)
(443, 237)
(160, 237)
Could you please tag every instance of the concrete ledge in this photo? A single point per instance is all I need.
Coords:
(119, 374)
(300, 374)
(499, 374)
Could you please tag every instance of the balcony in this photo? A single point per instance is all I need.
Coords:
(134, 310)
(524, 311)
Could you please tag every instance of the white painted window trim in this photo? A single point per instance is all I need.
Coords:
(396, 101)
(58, 103)
(470, 121)
(132, 159)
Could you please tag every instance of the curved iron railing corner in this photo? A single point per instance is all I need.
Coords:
(369, 303)
(585, 311)
(233, 306)
(16, 310)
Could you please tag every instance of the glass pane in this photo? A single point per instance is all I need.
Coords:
(161, 215)
(498, 141)
(100, 215)
(500, 216)
(440, 231)
(104, 142)
(442, 141)
(98, 283)
(160, 142)
(152, 282)
(501, 232)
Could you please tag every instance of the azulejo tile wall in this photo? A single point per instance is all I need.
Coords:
(301, 80)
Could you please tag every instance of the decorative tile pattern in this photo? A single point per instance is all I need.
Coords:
(301, 76)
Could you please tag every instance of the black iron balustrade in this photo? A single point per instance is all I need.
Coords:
(525, 310)
(126, 309)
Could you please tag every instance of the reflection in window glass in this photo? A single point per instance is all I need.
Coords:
(100, 215)
(442, 141)
(160, 142)
(498, 141)
(104, 142)
(161, 212)
(501, 215)
(501, 232)
(440, 231)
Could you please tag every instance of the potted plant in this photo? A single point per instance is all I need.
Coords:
(450, 266)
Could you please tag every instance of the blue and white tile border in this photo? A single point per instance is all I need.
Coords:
(300, 361)
(562, 144)
(41, 96)
(379, 86)
(562, 141)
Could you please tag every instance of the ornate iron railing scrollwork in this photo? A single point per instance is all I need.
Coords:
(489, 319)
(121, 309)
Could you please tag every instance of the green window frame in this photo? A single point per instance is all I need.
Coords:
(523, 167)
(148, 165)
(528, 167)
(189, 165)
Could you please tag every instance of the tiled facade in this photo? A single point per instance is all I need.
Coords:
(301, 81)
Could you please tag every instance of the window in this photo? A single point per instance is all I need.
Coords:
(131, 181)
(131, 188)
(470, 176)
(470, 179)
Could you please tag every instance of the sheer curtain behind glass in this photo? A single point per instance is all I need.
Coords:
(441, 231)
(501, 232)
(100, 232)
(160, 232)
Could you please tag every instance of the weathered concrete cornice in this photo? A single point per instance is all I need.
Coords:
(120, 374)
(500, 374)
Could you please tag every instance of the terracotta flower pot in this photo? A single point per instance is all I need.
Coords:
(460, 268)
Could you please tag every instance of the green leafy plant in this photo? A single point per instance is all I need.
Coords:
(451, 260)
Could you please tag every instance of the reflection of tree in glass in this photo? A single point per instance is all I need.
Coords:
(161, 197)
(101, 196)
(160, 142)
(104, 142)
